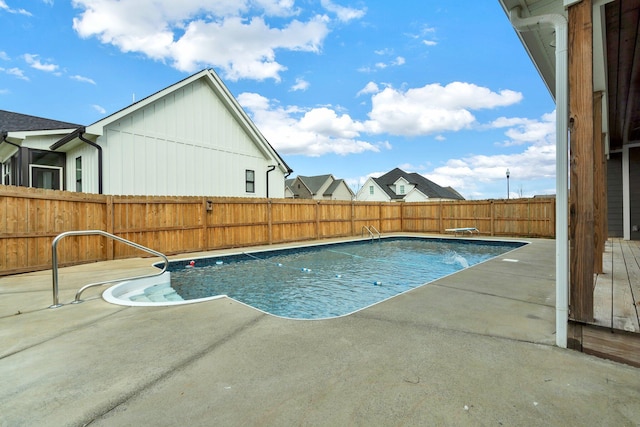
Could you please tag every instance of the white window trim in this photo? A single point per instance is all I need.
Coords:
(59, 168)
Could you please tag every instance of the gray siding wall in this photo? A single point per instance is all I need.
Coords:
(634, 191)
(614, 195)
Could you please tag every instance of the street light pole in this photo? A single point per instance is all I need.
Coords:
(508, 184)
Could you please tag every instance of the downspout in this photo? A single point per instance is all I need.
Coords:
(99, 148)
(4, 136)
(559, 23)
(271, 169)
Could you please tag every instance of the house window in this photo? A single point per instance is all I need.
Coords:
(48, 177)
(7, 172)
(79, 174)
(250, 181)
(371, 189)
(402, 189)
(46, 169)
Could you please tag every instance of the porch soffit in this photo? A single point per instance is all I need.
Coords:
(618, 66)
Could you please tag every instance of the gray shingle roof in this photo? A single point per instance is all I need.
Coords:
(314, 183)
(427, 187)
(12, 122)
(334, 185)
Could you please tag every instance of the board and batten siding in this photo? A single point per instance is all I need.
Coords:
(186, 143)
(89, 165)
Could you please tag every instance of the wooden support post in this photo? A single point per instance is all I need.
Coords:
(581, 161)
(599, 186)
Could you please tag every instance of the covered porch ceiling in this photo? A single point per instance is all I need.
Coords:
(616, 59)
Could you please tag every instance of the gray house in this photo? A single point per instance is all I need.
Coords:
(400, 186)
(32, 165)
(320, 187)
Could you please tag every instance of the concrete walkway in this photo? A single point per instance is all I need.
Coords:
(474, 348)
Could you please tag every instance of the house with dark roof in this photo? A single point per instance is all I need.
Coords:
(190, 139)
(400, 186)
(32, 164)
(320, 187)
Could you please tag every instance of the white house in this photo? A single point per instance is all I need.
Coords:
(320, 187)
(400, 186)
(190, 139)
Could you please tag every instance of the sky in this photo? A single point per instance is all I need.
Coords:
(352, 88)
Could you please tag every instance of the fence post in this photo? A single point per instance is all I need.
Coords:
(318, 219)
(493, 215)
(203, 226)
(270, 221)
(110, 226)
(353, 218)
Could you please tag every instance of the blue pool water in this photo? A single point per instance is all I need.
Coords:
(330, 280)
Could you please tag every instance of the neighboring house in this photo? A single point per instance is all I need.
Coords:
(321, 187)
(190, 139)
(400, 186)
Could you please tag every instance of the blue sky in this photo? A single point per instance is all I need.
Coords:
(349, 87)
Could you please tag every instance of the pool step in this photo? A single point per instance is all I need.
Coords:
(157, 293)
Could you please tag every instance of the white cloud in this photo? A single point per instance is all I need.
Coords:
(34, 62)
(395, 63)
(16, 72)
(536, 162)
(420, 111)
(194, 34)
(313, 132)
(370, 87)
(99, 109)
(4, 56)
(6, 8)
(301, 84)
(82, 79)
(527, 131)
(344, 14)
(433, 108)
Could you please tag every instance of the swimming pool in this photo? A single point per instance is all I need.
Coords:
(329, 280)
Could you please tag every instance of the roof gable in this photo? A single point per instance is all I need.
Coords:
(315, 183)
(335, 185)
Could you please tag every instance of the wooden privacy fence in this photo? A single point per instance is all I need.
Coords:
(31, 218)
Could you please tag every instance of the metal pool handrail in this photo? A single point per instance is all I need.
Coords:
(369, 228)
(54, 262)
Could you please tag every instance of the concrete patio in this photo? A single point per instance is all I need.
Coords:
(474, 348)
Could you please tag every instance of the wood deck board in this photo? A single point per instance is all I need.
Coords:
(603, 291)
(625, 313)
(617, 290)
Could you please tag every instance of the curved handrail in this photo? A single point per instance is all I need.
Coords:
(54, 262)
